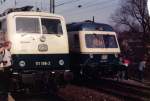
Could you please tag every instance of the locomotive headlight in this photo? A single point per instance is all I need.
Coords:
(22, 63)
(91, 56)
(61, 62)
(116, 55)
(42, 38)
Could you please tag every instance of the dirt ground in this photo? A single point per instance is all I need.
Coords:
(75, 93)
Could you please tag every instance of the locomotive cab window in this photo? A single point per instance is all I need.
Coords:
(51, 26)
(100, 41)
(94, 41)
(27, 25)
(110, 41)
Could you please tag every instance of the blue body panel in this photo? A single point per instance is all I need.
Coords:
(40, 61)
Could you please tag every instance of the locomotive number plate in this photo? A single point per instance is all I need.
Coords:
(104, 57)
(43, 63)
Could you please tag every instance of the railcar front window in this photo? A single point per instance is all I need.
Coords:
(51, 26)
(94, 41)
(100, 41)
(110, 41)
(27, 25)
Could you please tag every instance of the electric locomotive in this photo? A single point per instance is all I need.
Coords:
(39, 46)
(94, 49)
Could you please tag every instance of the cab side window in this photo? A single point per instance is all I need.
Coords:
(2, 31)
(3, 26)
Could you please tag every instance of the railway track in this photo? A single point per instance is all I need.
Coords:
(96, 90)
(36, 97)
(124, 91)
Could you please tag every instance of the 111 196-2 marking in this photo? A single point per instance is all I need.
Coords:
(43, 63)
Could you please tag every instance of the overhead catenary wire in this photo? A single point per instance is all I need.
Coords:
(86, 5)
(67, 2)
(58, 1)
(19, 3)
(84, 8)
(64, 3)
(75, 7)
(2, 1)
(101, 8)
(96, 12)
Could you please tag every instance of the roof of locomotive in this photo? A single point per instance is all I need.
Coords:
(26, 11)
(33, 13)
(88, 26)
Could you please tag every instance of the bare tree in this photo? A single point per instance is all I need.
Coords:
(122, 19)
(134, 15)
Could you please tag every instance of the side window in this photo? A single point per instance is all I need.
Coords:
(3, 26)
(2, 35)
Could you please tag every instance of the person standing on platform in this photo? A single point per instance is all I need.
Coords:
(5, 64)
(141, 67)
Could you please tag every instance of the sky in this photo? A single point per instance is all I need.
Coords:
(149, 6)
(72, 10)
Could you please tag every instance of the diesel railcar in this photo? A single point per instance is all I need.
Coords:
(94, 49)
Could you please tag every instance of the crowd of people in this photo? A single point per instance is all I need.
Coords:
(128, 66)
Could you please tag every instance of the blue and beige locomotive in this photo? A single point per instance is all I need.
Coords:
(39, 45)
(94, 49)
